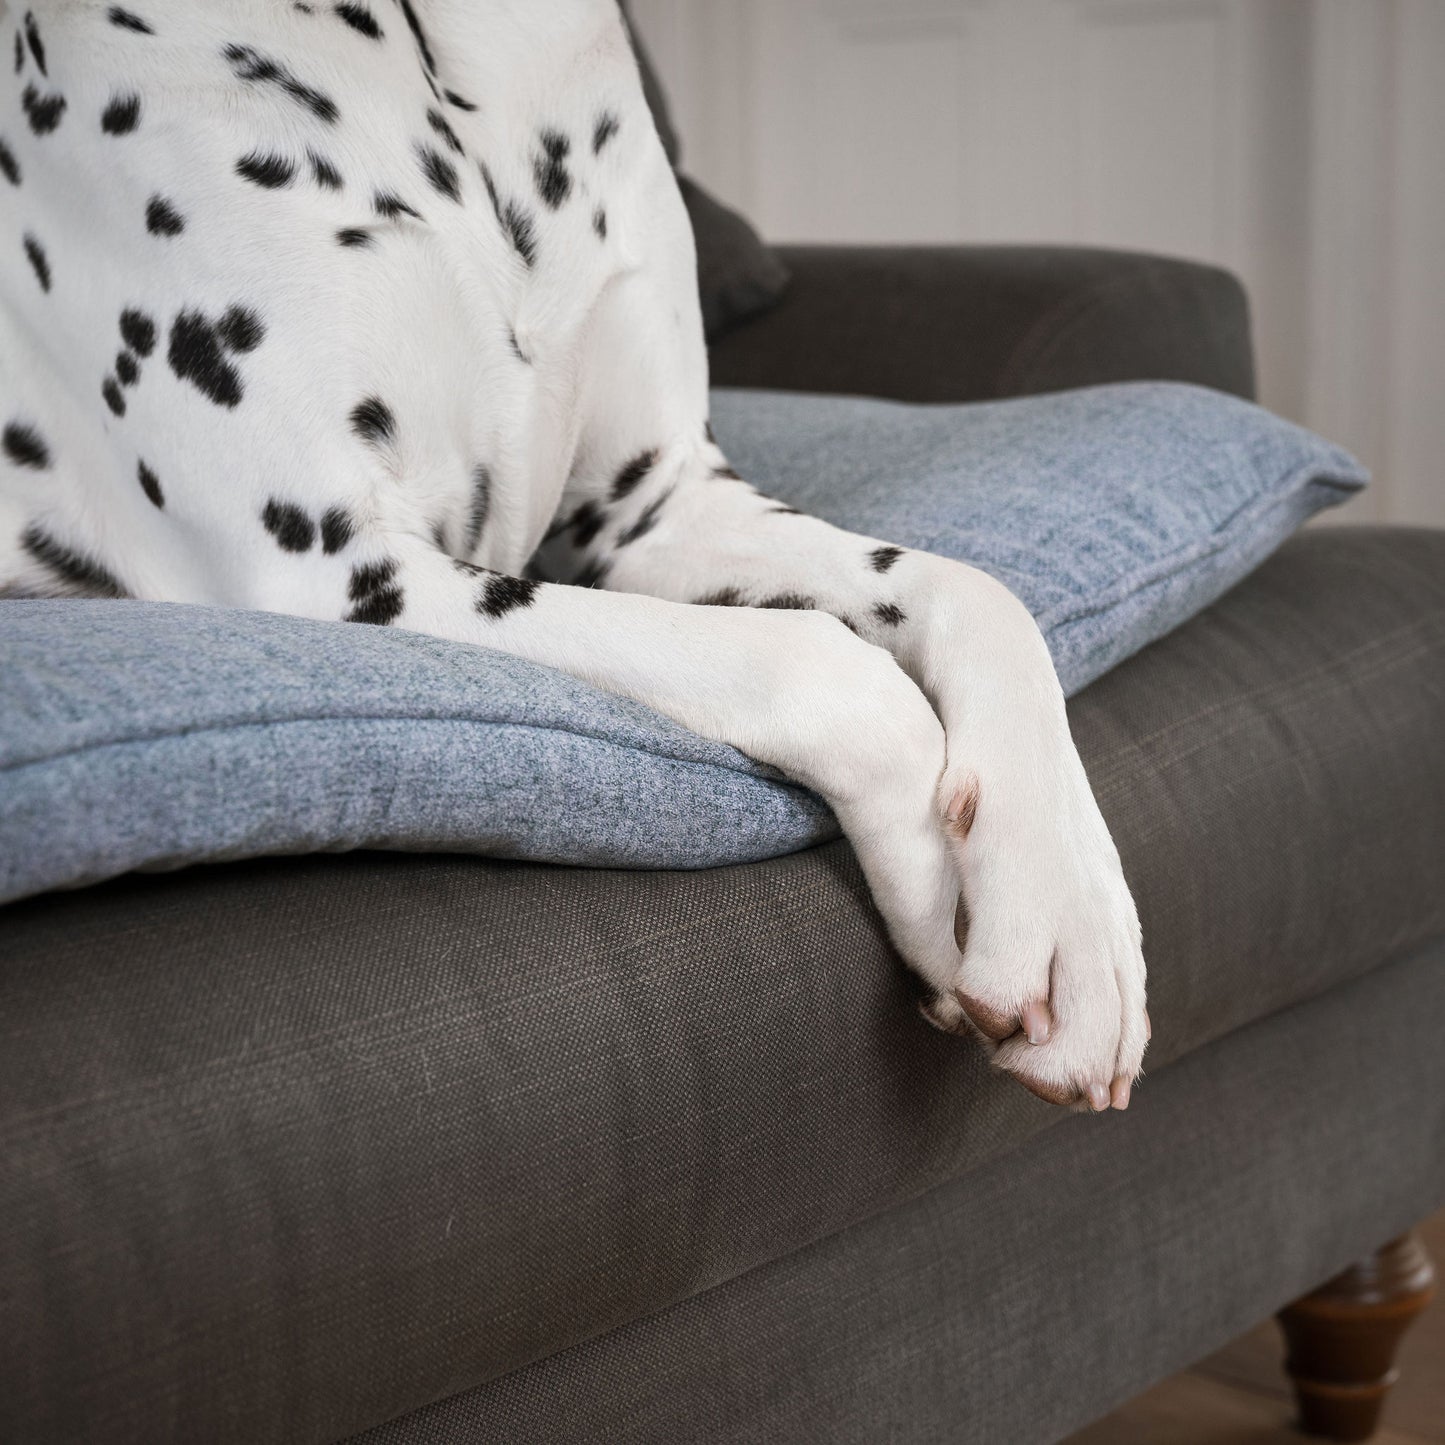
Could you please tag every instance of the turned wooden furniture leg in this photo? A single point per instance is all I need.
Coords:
(1342, 1338)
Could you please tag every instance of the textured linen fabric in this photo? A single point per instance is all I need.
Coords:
(144, 735)
(1017, 1304)
(975, 323)
(141, 734)
(293, 1147)
(1111, 512)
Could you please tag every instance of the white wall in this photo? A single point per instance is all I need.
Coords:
(1299, 142)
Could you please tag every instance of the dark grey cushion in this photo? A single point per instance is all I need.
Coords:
(1018, 1303)
(739, 276)
(298, 1146)
(970, 323)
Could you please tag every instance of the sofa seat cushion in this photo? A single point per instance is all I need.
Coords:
(317, 1141)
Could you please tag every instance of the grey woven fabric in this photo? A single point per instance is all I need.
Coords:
(1017, 1303)
(291, 1148)
(970, 323)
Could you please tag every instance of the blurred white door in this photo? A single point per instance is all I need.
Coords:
(1301, 143)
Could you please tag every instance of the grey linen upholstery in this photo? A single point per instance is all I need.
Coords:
(1016, 1304)
(969, 323)
(295, 1147)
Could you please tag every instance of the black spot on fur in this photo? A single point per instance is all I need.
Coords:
(379, 609)
(321, 106)
(789, 601)
(293, 530)
(554, 184)
(270, 171)
(196, 356)
(162, 218)
(150, 485)
(121, 116)
(419, 35)
(360, 19)
(323, 172)
(372, 421)
(457, 101)
(645, 522)
(19, 53)
(9, 166)
(138, 331)
(501, 595)
(630, 475)
(371, 577)
(127, 368)
(250, 65)
(586, 522)
(889, 615)
(72, 567)
(481, 505)
(25, 446)
(32, 39)
(385, 203)
(607, 126)
(726, 474)
(440, 172)
(114, 397)
(516, 224)
(354, 236)
(724, 597)
(378, 601)
(43, 112)
(39, 262)
(241, 329)
(519, 228)
(882, 558)
(781, 511)
(337, 529)
(438, 122)
(599, 223)
(709, 433)
(516, 347)
(126, 21)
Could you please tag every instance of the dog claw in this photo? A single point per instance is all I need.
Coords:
(1038, 1022)
(1119, 1092)
(1098, 1098)
(944, 1014)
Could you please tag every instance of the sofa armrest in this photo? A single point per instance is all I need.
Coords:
(969, 323)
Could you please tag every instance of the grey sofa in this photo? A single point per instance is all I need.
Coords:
(437, 1149)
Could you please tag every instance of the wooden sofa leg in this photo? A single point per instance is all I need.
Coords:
(1342, 1338)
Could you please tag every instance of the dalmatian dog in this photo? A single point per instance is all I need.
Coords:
(386, 311)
